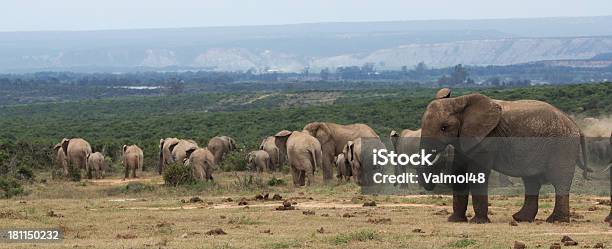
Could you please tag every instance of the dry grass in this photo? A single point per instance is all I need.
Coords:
(108, 214)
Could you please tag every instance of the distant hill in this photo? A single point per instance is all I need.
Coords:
(389, 45)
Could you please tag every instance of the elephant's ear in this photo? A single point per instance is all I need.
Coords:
(57, 147)
(320, 131)
(161, 143)
(172, 145)
(189, 152)
(261, 146)
(65, 143)
(124, 147)
(443, 93)
(280, 139)
(480, 115)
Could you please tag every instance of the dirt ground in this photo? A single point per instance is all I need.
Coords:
(109, 213)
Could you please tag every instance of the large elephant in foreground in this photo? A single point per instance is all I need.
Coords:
(479, 127)
(76, 150)
(60, 158)
(220, 146)
(333, 137)
(276, 155)
(95, 165)
(304, 154)
(133, 159)
(202, 163)
(173, 150)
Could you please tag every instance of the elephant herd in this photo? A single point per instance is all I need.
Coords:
(76, 153)
(472, 128)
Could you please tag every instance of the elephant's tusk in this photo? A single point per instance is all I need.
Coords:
(607, 168)
(436, 159)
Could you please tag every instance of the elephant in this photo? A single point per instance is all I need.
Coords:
(352, 150)
(259, 160)
(304, 154)
(96, 165)
(76, 151)
(333, 137)
(343, 168)
(60, 158)
(133, 159)
(599, 151)
(220, 146)
(173, 150)
(202, 163)
(476, 125)
(277, 156)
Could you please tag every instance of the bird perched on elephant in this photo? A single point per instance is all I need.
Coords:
(343, 168)
(277, 156)
(60, 158)
(76, 151)
(259, 160)
(133, 159)
(173, 150)
(333, 137)
(304, 154)
(478, 127)
(96, 165)
(202, 163)
(221, 146)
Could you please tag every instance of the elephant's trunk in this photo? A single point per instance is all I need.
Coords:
(430, 146)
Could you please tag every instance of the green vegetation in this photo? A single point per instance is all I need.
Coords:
(462, 243)
(176, 174)
(10, 187)
(361, 235)
(29, 131)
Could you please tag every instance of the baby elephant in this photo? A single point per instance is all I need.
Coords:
(95, 165)
(132, 159)
(259, 160)
(202, 163)
(343, 168)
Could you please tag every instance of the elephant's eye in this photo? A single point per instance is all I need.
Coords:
(444, 127)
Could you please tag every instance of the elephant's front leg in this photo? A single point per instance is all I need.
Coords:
(480, 202)
(460, 203)
(530, 206)
(327, 168)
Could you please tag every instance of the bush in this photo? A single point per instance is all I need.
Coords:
(74, 174)
(234, 161)
(10, 187)
(25, 173)
(178, 174)
(276, 182)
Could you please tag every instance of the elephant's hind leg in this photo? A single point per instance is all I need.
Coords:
(530, 206)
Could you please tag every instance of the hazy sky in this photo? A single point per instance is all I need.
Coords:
(21, 15)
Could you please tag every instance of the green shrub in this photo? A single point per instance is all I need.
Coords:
(10, 187)
(25, 173)
(178, 174)
(234, 161)
(276, 182)
(74, 174)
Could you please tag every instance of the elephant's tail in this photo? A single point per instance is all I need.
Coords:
(583, 163)
(314, 158)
